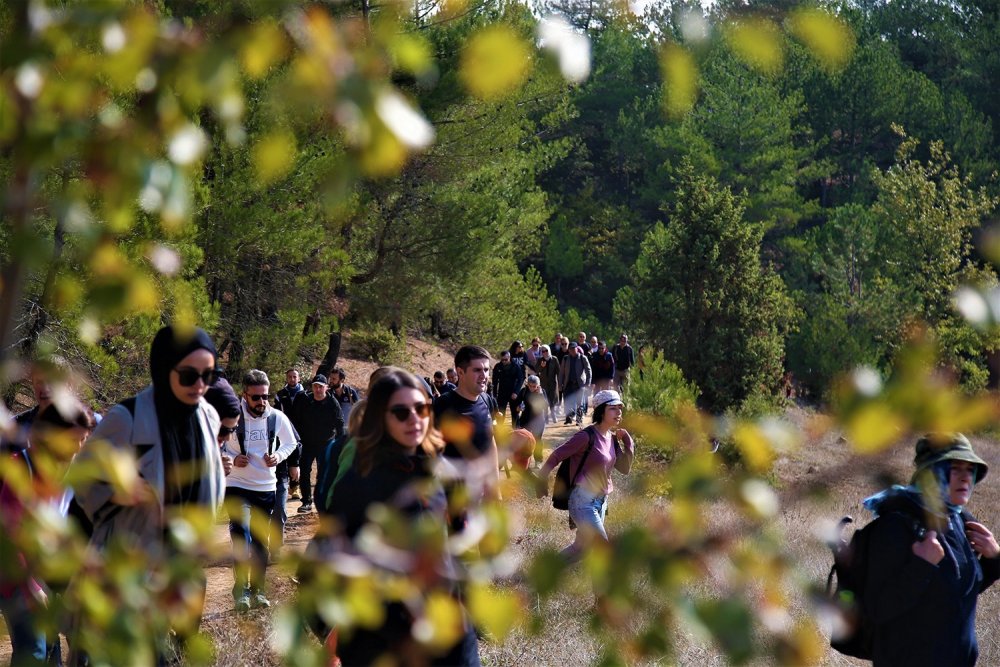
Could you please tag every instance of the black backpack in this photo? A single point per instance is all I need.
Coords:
(564, 485)
(850, 568)
(272, 428)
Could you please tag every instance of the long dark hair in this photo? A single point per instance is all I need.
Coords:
(373, 442)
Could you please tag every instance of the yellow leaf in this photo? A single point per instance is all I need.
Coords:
(411, 53)
(680, 78)
(263, 47)
(754, 446)
(873, 428)
(364, 602)
(442, 624)
(828, 38)
(494, 62)
(143, 295)
(274, 155)
(494, 610)
(384, 154)
(107, 261)
(758, 43)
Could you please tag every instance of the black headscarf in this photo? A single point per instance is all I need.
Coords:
(180, 433)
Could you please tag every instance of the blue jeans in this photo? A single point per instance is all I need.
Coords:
(279, 517)
(249, 518)
(588, 511)
(27, 641)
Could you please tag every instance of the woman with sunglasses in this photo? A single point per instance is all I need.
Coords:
(170, 431)
(394, 467)
(593, 453)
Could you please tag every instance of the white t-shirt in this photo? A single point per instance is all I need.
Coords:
(258, 476)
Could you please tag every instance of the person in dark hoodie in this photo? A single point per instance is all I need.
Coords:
(289, 469)
(317, 417)
(921, 592)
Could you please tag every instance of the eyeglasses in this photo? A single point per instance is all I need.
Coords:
(402, 412)
(188, 376)
(227, 430)
(257, 397)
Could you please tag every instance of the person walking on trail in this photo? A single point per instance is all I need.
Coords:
(317, 418)
(465, 419)
(394, 467)
(533, 353)
(441, 385)
(345, 395)
(265, 438)
(624, 361)
(548, 374)
(575, 376)
(507, 383)
(602, 365)
(534, 405)
(169, 429)
(921, 593)
(284, 400)
(593, 453)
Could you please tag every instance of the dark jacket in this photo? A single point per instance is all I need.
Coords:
(508, 379)
(283, 401)
(603, 366)
(548, 373)
(924, 614)
(532, 415)
(624, 357)
(317, 421)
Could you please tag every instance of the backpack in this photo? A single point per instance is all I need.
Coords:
(850, 567)
(272, 428)
(563, 485)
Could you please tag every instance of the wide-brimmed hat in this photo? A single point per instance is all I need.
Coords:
(935, 447)
(607, 397)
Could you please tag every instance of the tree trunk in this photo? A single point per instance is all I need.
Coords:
(332, 354)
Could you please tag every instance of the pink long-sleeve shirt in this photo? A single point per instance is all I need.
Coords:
(596, 476)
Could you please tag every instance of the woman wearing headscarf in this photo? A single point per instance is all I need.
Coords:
(170, 431)
(929, 559)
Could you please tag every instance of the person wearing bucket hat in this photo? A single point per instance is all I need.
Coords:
(593, 453)
(929, 559)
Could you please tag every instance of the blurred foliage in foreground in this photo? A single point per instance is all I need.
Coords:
(267, 170)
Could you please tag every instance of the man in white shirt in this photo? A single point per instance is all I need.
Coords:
(265, 438)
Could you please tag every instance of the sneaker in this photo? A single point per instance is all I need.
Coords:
(569, 420)
(243, 603)
(260, 602)
(305, 508)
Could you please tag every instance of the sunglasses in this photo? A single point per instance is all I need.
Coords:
(189, 376)
(402, 412)
(257, 397)
(227, 430)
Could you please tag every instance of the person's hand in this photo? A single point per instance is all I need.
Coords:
(541, 486)
(270, 460)
(982, 540)
(293, 473)
(621, 433)
(929, 548)
(241, 461)
(227, 463)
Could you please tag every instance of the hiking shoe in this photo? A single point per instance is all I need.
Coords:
(569, 420)
(243, 603)
(305, 508)
(260, 602)
(295, 495)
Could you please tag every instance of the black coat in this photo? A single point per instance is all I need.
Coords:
(924, 614)
(317, 421)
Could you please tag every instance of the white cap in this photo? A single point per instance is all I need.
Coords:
(607, 397)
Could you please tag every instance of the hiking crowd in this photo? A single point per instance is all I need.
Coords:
(424, 451)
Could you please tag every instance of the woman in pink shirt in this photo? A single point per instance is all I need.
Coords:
(592, 452)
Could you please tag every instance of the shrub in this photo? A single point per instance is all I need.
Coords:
(660, 388)
(377, 342)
